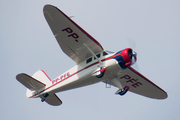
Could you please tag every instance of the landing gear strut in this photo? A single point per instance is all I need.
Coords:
(122, 90)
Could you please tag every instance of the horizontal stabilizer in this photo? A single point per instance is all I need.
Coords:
(29, 82)
(53, 99)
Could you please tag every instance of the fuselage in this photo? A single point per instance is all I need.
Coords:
(81, 74)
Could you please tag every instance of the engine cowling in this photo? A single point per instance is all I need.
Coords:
(126, 57)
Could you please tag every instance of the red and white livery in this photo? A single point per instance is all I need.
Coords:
(93, 64)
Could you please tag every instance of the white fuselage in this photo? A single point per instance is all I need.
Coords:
(81, 75)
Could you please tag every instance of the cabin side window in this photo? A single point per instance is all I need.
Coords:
(105, 53)
(98, 56)
(89, 60)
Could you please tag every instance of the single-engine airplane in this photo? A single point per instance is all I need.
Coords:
(93, 64)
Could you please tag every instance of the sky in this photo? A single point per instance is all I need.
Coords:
(28, 45)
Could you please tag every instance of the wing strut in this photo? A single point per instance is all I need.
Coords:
(92, 53)
(108, 83)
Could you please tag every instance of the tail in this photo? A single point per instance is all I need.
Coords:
(38, 82)
(41, 76)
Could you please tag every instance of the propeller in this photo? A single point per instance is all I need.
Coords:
(132, 44)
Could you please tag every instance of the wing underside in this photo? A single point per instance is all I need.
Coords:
(140, 85)
(70, 36)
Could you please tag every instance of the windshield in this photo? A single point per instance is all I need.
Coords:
(109, 52)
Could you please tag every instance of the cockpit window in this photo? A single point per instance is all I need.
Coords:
(105, 53)
(89, 60)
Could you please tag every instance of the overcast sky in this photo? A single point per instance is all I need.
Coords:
(27, 45)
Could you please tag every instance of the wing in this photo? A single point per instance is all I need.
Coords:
(70, 36)
(29, 82)
(141, 85)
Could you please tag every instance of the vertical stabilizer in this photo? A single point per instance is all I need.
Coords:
(38, 81)
(41, 76)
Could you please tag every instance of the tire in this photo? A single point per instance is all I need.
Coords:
(124, 91)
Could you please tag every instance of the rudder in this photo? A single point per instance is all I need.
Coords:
(41, 76)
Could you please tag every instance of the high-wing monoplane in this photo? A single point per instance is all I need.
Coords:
(93, 64)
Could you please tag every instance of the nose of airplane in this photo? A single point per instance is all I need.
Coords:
(134, 57)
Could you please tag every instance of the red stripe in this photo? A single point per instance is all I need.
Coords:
(64, 79)
(74, 74)
(46, 75)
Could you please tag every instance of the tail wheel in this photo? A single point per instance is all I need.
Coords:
(44, 96)
(124, 90)
(42, 100)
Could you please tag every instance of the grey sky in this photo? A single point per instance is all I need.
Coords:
(27, 45)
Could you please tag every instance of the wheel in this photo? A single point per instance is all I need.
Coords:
(124, 90)
(42, 100)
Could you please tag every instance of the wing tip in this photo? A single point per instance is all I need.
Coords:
(48, 6)
(160, 94)
(164, 96)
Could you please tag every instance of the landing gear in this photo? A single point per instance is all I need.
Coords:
(44, 96)
(42, 100)
(122, 90)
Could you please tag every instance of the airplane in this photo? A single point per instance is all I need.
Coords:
(93, 65)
